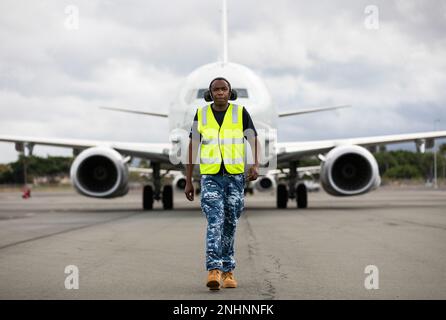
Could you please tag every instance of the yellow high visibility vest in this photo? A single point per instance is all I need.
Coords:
(225, 142)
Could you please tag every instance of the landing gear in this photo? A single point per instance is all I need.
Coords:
(291, 191)
(248, 190)
(302, 196)
(147, 198)
(282, 196)
(167, 197)
(152, 193)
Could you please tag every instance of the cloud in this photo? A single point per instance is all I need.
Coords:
(135, 55)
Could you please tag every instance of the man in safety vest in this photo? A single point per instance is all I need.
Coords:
(220, 129)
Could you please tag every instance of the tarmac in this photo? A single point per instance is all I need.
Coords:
(322, 252)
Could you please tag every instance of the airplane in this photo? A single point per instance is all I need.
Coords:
(347, 167)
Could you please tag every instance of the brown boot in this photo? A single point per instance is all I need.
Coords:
(229, 280)
(214, 278)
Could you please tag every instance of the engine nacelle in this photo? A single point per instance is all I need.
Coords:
(100, 172)
(179, 182)
(349, 170)
(265, 183)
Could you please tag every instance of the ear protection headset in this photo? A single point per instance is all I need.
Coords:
(208, 94)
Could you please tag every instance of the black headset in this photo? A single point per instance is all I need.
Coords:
(208, 93)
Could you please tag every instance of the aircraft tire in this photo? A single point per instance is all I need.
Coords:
(282, 196)
(302, 196)
(147, 198)
(167, 197)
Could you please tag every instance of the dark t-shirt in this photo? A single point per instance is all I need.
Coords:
(248, 127)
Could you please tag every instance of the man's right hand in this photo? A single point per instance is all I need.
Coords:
(189, 191)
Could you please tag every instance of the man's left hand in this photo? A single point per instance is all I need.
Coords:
(253, 173)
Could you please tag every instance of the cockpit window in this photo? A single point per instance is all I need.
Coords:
(200, 93)
(241, 93)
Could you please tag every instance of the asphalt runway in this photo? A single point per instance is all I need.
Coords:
(321, 252)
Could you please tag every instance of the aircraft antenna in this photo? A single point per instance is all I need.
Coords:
(224, 30)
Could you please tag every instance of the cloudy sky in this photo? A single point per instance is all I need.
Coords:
(56, 69)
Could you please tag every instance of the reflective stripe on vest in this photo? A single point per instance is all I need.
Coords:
(221, 142)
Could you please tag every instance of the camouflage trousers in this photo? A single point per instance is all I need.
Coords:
(222, 202)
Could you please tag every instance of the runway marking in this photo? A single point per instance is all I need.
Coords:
(27, 215)
(65, 231)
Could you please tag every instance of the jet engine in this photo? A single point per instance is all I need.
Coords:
(100, 172)
(265, 183)
(179, 182)
(349, 170)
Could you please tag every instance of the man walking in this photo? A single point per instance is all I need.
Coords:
(220, 129)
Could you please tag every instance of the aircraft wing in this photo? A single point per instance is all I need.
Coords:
(310, 110)
(146, 113)
(158, 152)
(289, 151)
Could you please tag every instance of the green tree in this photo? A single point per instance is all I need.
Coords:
(385, 160)
(5, 173)
(442, 149)
(405, 171)
(36, 166)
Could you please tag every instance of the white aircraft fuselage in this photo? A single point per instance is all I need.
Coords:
(252, 94)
